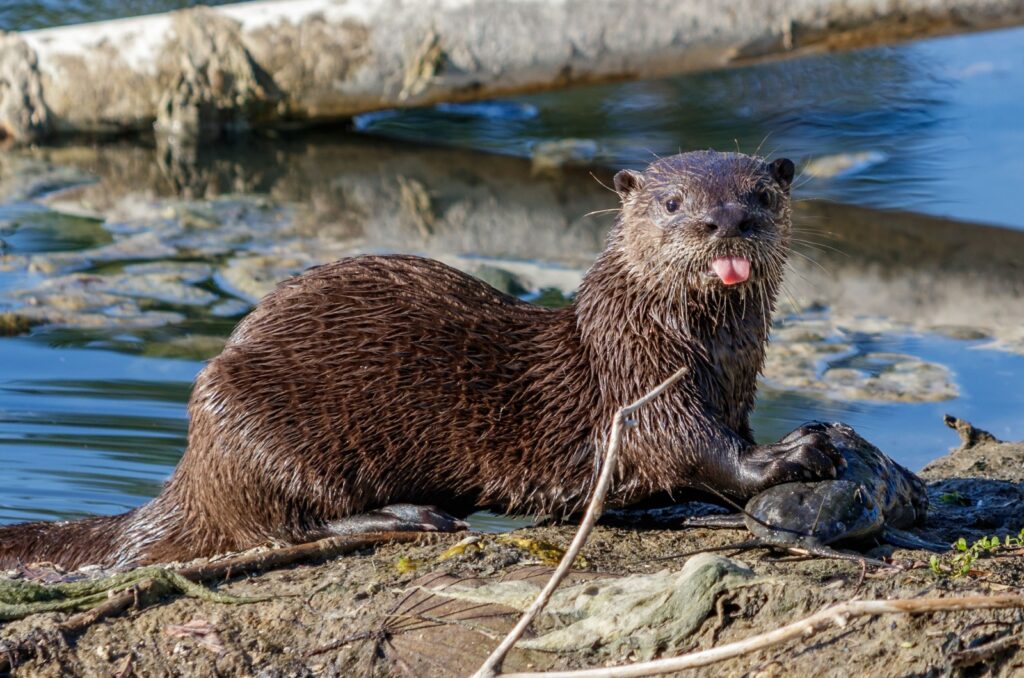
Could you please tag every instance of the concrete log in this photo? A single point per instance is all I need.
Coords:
(201, 72)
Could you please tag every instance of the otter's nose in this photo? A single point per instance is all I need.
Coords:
(728, 221)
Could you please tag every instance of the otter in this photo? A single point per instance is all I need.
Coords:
(396, 393)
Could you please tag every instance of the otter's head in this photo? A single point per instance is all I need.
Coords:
(706, 221)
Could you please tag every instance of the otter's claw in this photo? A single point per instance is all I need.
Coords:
(805, 454)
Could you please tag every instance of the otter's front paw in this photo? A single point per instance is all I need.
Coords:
(805, 454)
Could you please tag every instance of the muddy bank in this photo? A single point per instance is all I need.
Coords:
(429, 610)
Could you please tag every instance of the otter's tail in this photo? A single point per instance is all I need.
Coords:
(71, 544)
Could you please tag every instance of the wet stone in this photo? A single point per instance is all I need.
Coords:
(187, 272)
(253, 276)
(842, 164)
(191, 347)
(13, 324)
(961, 332)
(141, 246)
(903, 378)
(1011, 343)
(230, 308)
(550, 155)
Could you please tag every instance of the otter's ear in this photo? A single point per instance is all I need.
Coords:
(628, 181)
(783, 171)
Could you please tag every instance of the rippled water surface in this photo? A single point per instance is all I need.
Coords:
(135, 264)
(23, 15)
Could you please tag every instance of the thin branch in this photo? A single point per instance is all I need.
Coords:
(835, 615)
(621, 421)
(976, 655)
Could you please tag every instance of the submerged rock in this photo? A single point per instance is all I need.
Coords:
(85, 290)
(254, 276)
(230, 308)
(24, 178)
(13, 324)
(190, 346)
(115, 301)
(549, 156)
(121, 316)
(894, 377)
(815, 356)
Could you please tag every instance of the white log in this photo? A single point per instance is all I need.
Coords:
(201, 71)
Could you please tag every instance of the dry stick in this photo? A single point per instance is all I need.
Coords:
(314, 550)
(837, 615)
(608, 462)
(976, 655)
(222, 569)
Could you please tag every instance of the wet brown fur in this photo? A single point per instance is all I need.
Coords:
(374, 380)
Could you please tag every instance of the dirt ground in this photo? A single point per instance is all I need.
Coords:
(378, 613)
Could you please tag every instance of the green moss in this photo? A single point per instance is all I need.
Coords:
(463, 547)
(407, 564)
(547, 553)
(954, 499)
(964, 556)
(20, 599)
(12, 324)
(552, 298)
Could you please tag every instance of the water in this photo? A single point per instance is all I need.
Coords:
(937, 122)
(24, 15)
(86, 431)
(142, 267)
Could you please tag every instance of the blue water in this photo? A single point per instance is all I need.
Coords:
(989, 395)
(86, 431)
(23, 15)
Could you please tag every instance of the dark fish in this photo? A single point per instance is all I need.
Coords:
(873, 499)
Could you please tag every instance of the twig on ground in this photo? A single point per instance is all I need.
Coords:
(622, 420)
(834, 615)
(975, 655)
(126, 667)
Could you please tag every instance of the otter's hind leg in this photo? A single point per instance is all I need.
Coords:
(397, 518)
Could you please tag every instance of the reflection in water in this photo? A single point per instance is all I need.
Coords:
(166, 277)
(311, 199)
(937, 121)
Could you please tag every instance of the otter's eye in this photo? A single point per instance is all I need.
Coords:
(671, 206)
(766, 198)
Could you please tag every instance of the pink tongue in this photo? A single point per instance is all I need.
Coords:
(731, 270)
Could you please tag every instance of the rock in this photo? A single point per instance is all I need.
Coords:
(639, 613)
